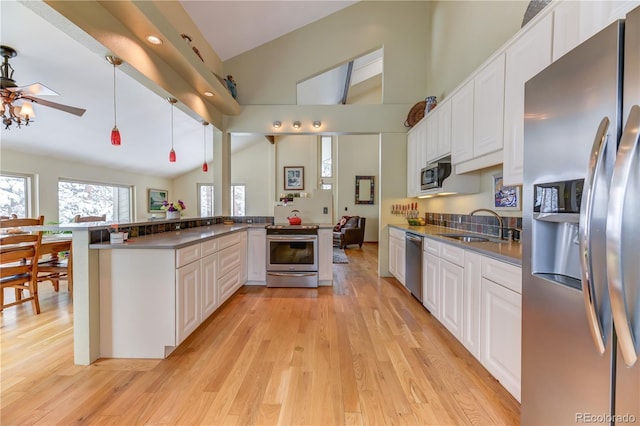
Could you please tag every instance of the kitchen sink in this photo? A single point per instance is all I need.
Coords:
(471, 238)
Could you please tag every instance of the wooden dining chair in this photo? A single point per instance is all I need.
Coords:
(51, 266)
(18, 261)
(78, 218)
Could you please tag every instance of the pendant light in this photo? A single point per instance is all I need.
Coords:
(205, 166)
(172, 153)
(115, 133)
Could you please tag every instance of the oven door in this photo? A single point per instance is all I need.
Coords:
(292, 253)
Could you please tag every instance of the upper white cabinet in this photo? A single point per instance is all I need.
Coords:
(442, 143)
(525, 57)
(488, 107)
(462, 124)
(416, 153)
(566, 27)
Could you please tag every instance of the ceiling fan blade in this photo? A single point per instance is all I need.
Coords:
(65, 108)
(34, 89)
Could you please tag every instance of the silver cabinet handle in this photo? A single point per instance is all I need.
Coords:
(292, 274)
(621, 208)
(586, 214)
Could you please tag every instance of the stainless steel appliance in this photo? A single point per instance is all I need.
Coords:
(413, 264)
(292, 255)
(432, 176)
(581, 220)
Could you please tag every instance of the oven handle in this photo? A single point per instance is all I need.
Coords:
(292, 237)
(292, 274)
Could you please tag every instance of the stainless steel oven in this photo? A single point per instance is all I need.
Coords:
(292, 256)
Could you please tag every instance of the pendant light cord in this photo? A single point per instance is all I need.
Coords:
(114, 96)
(172, 126)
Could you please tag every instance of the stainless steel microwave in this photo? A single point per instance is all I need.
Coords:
(432, 176)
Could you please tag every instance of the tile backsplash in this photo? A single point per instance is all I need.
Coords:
(488, 225)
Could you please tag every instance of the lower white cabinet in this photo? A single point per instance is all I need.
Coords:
(431, 283)
(243, 258)
(451, 291)
(501, 334)
(257, 256)
(209, 290)
(325, 256)
(397, 254)
(188, 307)
(227, 285)
(471, 302)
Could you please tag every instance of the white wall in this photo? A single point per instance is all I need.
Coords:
(297, 151)
(254, 167)
(47, 171)
(358, 155)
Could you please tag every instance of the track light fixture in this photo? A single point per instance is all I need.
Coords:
(277, 124)
(317, 124)
(296, 124)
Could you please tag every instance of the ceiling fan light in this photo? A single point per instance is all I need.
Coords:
(26, 111)
(172, 156)
(115, 136)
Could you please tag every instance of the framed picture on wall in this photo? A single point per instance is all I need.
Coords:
(294, 177)
(156, 198)
(505, 197)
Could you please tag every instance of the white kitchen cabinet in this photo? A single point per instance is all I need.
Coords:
(443, 145)
(451, 296)
(472, 302)
(488, 107)
(501, 334)
(431, 147)
(431, 276)
(397, 254)
(325, 256)
(501, 321)
(525, 57)
(416, 152)
(257, 256)
(188, 307)
(227, 285)
(209, 285)
(462, 124)
(244, 263)
(596, 15)
(566, 28)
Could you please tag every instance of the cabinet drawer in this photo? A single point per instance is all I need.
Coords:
(187, 255)
(431, 246)
(228, 260)
(209, 247)
(228, 240)
(453, 254)
(396, 233)
(509, 276)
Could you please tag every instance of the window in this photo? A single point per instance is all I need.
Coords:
(15, 195)
(205, 199)
(93, 199)
(237, 200)
(325, 154)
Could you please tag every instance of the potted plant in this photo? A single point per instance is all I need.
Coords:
(173, 209)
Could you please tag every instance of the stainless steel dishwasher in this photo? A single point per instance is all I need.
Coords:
(413, 259)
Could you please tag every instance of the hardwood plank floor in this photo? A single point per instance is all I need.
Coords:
(363, 352)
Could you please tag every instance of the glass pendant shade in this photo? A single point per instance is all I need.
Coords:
(172, 156)
(205, 167)
(115, 136)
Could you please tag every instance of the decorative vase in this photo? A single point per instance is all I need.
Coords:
(173, 215)
(431, 104)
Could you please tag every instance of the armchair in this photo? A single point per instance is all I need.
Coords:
(350, 230)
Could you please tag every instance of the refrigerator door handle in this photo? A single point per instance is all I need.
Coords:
(626, 164)
(584, 235)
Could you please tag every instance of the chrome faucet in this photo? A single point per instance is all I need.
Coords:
(500, 221)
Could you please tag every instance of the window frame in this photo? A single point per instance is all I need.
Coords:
(130, 188)
(29, 197)
(231, 204)
(199, 187)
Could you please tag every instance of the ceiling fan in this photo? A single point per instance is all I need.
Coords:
(10, 92)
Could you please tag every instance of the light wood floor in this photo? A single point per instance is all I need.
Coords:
(361, 352)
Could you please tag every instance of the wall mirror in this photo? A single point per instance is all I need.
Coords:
(364, 189)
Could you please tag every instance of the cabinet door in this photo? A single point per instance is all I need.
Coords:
(229, 260)
(488, 108)
(412, 163)
(209, 291)
(187, 300)
(525, 58)
(451, 288)
(227, 285)
(431, 283)
(393, 259)
(444, 130)
(325, 255)
(432, 135)
(566, 27)
(257, 255)
(501, 334)
(472, 302)
(400, 259)
(462, 124)
(243, 258)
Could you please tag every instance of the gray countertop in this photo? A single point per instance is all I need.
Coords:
(507, 251)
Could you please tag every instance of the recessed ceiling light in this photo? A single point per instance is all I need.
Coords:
(154, 39)
(207, 93)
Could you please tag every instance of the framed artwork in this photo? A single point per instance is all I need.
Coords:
(505, 197)
(364, 189)
(155, 199)
(294, 178)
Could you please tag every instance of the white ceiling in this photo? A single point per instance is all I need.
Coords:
(83, 78)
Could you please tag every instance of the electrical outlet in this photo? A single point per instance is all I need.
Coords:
(249, 220)
(325, 210)
(177, 226)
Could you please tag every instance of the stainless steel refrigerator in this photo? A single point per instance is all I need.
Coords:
(581, 242)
